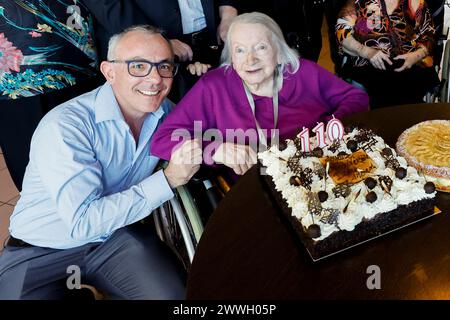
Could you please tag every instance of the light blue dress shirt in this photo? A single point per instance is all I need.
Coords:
(192, 15)
(86, 178)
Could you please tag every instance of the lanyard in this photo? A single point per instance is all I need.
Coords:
(262, 137)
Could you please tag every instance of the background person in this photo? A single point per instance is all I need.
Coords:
(300, 21)
(388, 47)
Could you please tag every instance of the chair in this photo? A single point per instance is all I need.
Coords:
(180, 221)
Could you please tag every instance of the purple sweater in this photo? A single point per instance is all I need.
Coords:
(218, 99)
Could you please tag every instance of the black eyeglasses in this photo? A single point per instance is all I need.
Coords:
(142, 68)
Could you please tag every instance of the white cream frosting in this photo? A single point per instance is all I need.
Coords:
(403, 191)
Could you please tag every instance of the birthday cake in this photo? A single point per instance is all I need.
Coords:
(344, 193)
(426, 147)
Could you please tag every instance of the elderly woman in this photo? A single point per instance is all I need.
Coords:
(262, 85)
(388, 47)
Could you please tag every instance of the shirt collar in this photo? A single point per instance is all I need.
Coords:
(107, 108)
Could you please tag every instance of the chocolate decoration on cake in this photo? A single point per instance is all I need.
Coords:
(282, 145)
(352, 145)
(323, 196)
(341, 190)
(352, 199)
(314, 231)
(294, 164)
(370, 183)
(368, 146)
(371, 197)
(334, 146)
(298, 144)
(331, 216)
(429, 187)
(386, 152)
(364, 135)
(319, 170)
(306, 175)
(400, 173)
(317, 152)
(349, 128)
(392, 163)
(295, 181)
(314, 205)
(342, 153)
(386, 183)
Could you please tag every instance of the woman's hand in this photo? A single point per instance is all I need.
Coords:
(198, 68)
(240, 158)
(411, 58)
(377, 58)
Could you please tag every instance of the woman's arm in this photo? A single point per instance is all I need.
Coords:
(344, 31)
(353, 47)
(425, 37)
(341, 98)
(192, 116)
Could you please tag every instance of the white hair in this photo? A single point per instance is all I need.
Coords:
(287, 56)
(115, 39)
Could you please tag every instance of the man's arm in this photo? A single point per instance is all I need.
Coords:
(68, 167)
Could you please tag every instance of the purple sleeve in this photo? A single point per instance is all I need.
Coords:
(342, 98)
(193, 113)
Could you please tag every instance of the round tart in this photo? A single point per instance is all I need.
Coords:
(426, 147)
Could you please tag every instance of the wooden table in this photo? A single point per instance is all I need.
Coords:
(247, 250)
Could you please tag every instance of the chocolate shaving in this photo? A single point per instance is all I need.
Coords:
(369, 145)
(386, 183)
(364, 135)
(335, 145)
(331, 216)
(392, 163)
(314, 205)
(341, 190)
(354, 198)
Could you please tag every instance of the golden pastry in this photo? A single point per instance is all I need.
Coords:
(426, 147)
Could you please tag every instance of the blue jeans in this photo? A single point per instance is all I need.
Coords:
(132, 264)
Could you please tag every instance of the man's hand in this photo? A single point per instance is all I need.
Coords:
(411, 58)
(240, 158)
(226, 13)
(184, 163)
(198, 68)
(377, 59)
(182, 50)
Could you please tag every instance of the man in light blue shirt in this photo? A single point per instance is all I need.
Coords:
(90, 178)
